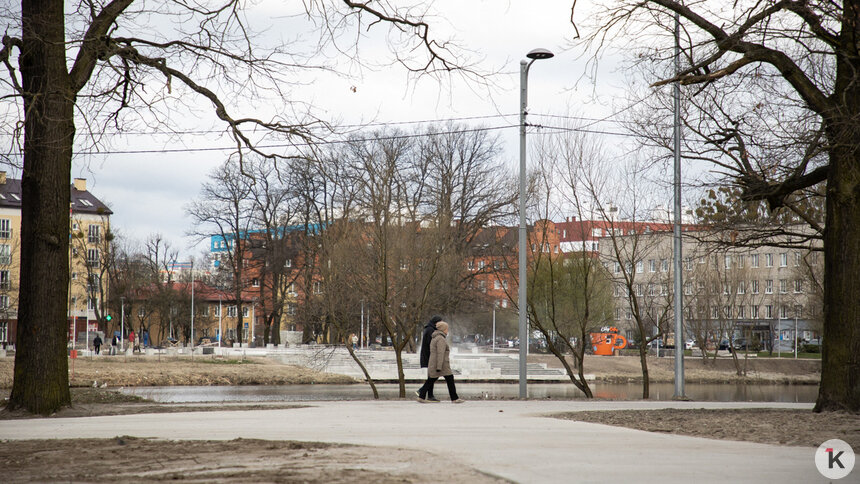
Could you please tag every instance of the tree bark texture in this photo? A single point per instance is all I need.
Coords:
(840, 376)
(41, 382)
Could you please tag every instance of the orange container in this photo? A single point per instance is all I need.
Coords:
(607, 341)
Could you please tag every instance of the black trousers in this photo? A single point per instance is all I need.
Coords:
(426, 390)
(449, 379)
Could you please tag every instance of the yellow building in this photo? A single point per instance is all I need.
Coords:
(89, 237)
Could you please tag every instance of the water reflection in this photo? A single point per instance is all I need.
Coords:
(612, 391)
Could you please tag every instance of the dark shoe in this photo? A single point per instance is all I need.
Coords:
(432, 400)
(459, 400)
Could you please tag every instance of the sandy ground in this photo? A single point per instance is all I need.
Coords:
(128, 459)
(132, 459)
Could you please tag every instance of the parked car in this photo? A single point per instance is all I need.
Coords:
(689, 344)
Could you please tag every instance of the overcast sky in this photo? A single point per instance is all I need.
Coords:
(148, 191)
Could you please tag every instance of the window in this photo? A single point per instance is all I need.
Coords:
(482, 285)
(505, 284)
(617, 313)
(664, 265)
(4, 332)
(741, 312)
(317, 287)
(727, 261)
(652, 265)
(798, 286)
(768, 286)
(754, 312)
(291, 289)
(783, 259)
(403, 265)
(768, 312)
(651, 291)
(93, 283)
(74, 276)
(768, 260)
(688, 288)
(291, 309)
(497, 285)
(639, 291)
(742, 287)
(217, 310)
(740, 260)
(504, 303)
(4, 302)
(783, 286)
(727, 288)
(255, 282)
(92, 303)
(798, 311)
(640, 267)
(245, 311)
(796, 259)
(617, 290)
(754, 260)
(231, 311)
(141, 312)
(5, 254)
(481, 265)
(5, 228)
(715, 312)
(628, 314)
(688, 264)
(470, 265)
(93, 257)
(617, 267)
(93, 234)
(596, 233)
(288, 263)
(754, 287)
(664, 289)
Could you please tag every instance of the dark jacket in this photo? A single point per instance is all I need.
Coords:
(440, 364)
(429, 329)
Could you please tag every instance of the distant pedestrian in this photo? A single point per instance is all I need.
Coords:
(131, 337)
(425, 393)
(136, 344)
(354, 341)
(113, 344)
(97, 343)
(440, 364)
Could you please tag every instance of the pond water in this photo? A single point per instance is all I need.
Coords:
(614, 391)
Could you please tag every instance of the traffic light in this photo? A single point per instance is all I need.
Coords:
(108, 318)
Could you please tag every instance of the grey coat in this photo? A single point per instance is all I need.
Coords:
(439, 364)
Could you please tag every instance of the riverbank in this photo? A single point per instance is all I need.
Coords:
(135, 371)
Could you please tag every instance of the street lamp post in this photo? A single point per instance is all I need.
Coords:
(522, 303)
(121, 322)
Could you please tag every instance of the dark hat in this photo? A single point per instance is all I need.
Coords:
(435, 319)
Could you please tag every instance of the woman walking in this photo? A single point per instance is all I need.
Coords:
(440, 364)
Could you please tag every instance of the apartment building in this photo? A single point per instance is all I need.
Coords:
(755, 293)
(89, 237)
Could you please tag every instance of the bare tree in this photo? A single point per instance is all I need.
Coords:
(118, 64)
(762, 66)
(225, 210)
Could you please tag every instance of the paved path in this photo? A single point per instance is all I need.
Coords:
(509, 439)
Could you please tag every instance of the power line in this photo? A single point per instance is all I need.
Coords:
(295, 145)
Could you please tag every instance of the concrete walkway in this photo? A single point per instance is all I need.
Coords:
(508, 439)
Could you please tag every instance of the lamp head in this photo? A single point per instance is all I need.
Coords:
(539, 53)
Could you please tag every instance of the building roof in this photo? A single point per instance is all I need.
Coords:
(82, 201)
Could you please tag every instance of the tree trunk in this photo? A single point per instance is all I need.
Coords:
(840, 352)
(643, 361)
(41, 378)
